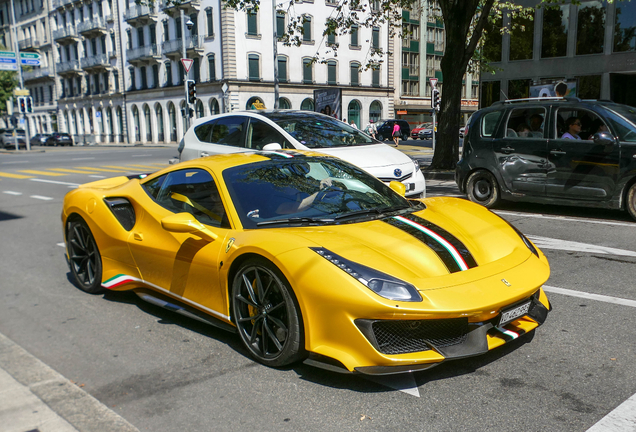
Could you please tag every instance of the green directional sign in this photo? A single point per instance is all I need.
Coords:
(7, 54)
(34, 56)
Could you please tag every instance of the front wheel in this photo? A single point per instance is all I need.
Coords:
(482, 188)
(380, 138)
(84, 258)
(266, 314)
(630, 203)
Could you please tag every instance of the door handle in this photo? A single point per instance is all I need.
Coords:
(138, 236)
(507, 149)
(557, 152)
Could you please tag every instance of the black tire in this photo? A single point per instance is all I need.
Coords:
(380, 137)
(405, 137)
(482, 188)
(84, 258)
(266, 314)
(630, 202)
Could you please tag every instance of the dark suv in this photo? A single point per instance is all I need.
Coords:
(521, 150)
(385, 129)
(59, 139)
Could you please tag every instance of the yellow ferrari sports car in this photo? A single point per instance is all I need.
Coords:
(309, 258)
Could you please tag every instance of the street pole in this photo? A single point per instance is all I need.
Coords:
(434, 123)
(19, 63)
(276, 97)
(186, 117)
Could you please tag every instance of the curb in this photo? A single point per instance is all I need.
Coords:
(68, 401)
(438, 175)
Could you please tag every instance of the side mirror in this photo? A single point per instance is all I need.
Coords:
(272, 146)
(398, 187)
(186, 223)
(603, 138)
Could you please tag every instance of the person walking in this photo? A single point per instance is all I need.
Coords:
(371, 129)
(396, 134)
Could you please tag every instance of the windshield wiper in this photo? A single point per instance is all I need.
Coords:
(376, 213)
(296, 221)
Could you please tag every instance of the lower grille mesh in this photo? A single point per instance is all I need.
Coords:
(401, 337)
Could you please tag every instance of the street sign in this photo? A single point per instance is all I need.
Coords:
(8, 61)
(187, 64)
(21, 92)
(29, 56)
(432, 82)
(30, 59)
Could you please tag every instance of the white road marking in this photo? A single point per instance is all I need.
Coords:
(40, 197)
(622, 419)
(86, 158)
(55, 182)
(556, 244)
(590, 296)
(14, 162)
(142, 155)
(403, 382)
(565, 219)
(61, 244)
(12, 193)
(97, 176)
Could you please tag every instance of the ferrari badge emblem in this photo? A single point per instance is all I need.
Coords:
(503, 280)
(229, 244)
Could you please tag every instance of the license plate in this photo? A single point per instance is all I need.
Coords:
(514, 313)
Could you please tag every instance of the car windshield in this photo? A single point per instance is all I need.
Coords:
(319, 131)
(624, 122)
(308, 191)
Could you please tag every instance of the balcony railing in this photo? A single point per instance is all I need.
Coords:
(36, 73)
(138, 11)
(191, 42)
(100, 60)
(144, 52)
(65, 32)
(168, 4)
(69, 66)
(94, 24)
(28, 43)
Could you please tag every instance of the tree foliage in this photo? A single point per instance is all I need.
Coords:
(8, 83)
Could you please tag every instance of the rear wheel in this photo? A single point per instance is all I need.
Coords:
(84, 258)
(482, 188)
(380, 137)
(266, 314)
(631, 201)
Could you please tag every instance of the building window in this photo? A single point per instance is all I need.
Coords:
(209, 21)
(590, 30)
(140, 37)
(492, 41)
(282, 68)
(308, 71)
(168, 74)
(355, 74)
(195, 25)
(144, 79)
(132, 79)
(353, 113)
(253, 66)
(554, 37)
(625, 27)
(166, 31)
(589, 87)
(375, 111)
(307, 105)
(331, 39)
(129, 39)
(283, 103)
(307, 28)
(280, 24)
(521, 42)
(518, 89)
(211, 67)
(252, 23)
(155, 76)
(331, 72)
(375, 76)
(354, 36)
(196, 69)
(375, 38)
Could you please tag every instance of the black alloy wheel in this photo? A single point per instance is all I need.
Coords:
(630, 202)
(266, 314)
(84, 258)
(482, 188)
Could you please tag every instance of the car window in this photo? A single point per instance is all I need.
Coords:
(204, 131)
(489, 123)
(192, 191)
(624, 122)
(526, 123)
(259, 134)
(585, 123)
(228, 131)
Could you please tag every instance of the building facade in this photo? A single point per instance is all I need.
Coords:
(590, 46)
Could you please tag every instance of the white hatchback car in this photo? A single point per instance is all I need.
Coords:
(303, 130)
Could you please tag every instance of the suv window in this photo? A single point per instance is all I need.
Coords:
(228, 131)
(590, 123)
(623, 122)
(259, 134)
(489, 123)
(526, 123)
(192, 191)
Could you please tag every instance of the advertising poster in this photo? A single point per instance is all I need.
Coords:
(557, 89)
(328, 101)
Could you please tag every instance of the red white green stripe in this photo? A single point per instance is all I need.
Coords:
(119, 280)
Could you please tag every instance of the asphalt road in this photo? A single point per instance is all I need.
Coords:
(163, 372)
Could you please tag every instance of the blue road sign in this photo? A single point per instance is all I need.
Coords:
(30, 62)
(7, 60)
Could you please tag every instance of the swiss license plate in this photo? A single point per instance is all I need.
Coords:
(514, 313)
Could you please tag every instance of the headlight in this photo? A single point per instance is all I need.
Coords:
(417, 165)
(380, 283)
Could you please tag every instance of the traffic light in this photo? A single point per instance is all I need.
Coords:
(29, 104)
(22, 104)
(192, 91)
(435, 102)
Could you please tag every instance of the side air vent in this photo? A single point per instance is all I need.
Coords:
(123, 211)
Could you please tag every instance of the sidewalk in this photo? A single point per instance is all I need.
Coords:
(34, 397)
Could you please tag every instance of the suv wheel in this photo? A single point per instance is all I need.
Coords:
(380, 137)
(482, 188)
(631, 201)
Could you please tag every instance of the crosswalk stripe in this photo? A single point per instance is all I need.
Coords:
(143, 166)
(17, 176)
(101, 169)
(114, 167)
(72, 171)
(44, 173)
(40, 197)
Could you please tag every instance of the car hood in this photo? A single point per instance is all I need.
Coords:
(369, 156)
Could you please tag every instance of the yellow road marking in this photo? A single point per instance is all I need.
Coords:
(115, 167)
(46, 173)
(143, 166)
(72, 171)
(101, 169)
(17, 176)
